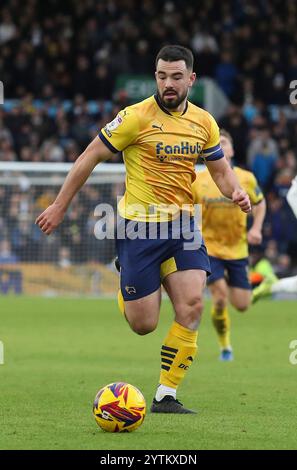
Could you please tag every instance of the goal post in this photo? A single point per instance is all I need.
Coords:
(74, 260)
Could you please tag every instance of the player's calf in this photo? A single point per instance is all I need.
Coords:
(219, 314)
(220, 304)
(179, 348)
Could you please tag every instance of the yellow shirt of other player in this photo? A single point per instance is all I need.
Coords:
(160, 149)
(224, 225)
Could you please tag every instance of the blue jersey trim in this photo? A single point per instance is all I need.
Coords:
(215, 156)
(107, 143)
(212, 149)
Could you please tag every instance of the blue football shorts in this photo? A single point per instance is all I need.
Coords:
(146, 260)
(235, 271)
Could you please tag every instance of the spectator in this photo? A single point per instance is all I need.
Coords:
(262, 157)
(6, 255)
(64, 260)
(7, 27)
(226, 74)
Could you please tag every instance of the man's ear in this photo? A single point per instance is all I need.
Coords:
(192, 78)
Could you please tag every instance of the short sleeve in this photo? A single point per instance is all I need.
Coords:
(254, 191)
(121, 132)
(212, 149)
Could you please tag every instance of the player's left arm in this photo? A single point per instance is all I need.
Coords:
(227, 182)
(254, 235)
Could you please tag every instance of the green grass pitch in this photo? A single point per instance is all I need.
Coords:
(59, 352)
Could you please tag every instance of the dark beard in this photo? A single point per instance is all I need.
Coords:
(172, 104)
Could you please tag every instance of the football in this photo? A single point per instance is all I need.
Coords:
(119, 407)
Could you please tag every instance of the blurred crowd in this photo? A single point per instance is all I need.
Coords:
(60, 49)
(59, 62)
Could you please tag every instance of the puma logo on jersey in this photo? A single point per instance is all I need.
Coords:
(155, 126)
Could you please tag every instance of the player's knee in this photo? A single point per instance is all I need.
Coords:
(143, 330)
(241, 306)
(188, 314)
(143, 327)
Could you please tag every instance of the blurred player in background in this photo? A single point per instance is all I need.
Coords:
(161, 139)
(271, 284)
(224, 229)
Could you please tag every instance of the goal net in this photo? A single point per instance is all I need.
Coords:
(77, 259)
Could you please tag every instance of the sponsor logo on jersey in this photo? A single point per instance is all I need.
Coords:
(178, 152)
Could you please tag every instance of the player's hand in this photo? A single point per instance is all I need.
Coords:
(254, 236)
(50, 219)
(240, 197)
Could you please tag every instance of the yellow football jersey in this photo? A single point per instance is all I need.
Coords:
(223, 223)
(160, 149)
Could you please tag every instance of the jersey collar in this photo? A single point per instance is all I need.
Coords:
(166, 110)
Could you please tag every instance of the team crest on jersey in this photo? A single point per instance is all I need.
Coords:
(193, 126)
(113, 125)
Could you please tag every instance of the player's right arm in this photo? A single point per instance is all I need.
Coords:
(114, 137)
(95, 153)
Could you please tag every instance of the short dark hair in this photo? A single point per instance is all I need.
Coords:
(173, 53)
(226, 134)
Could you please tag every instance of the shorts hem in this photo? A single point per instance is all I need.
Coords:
(245, 287)
(143, 293)
(197, 268)
(211, 281)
